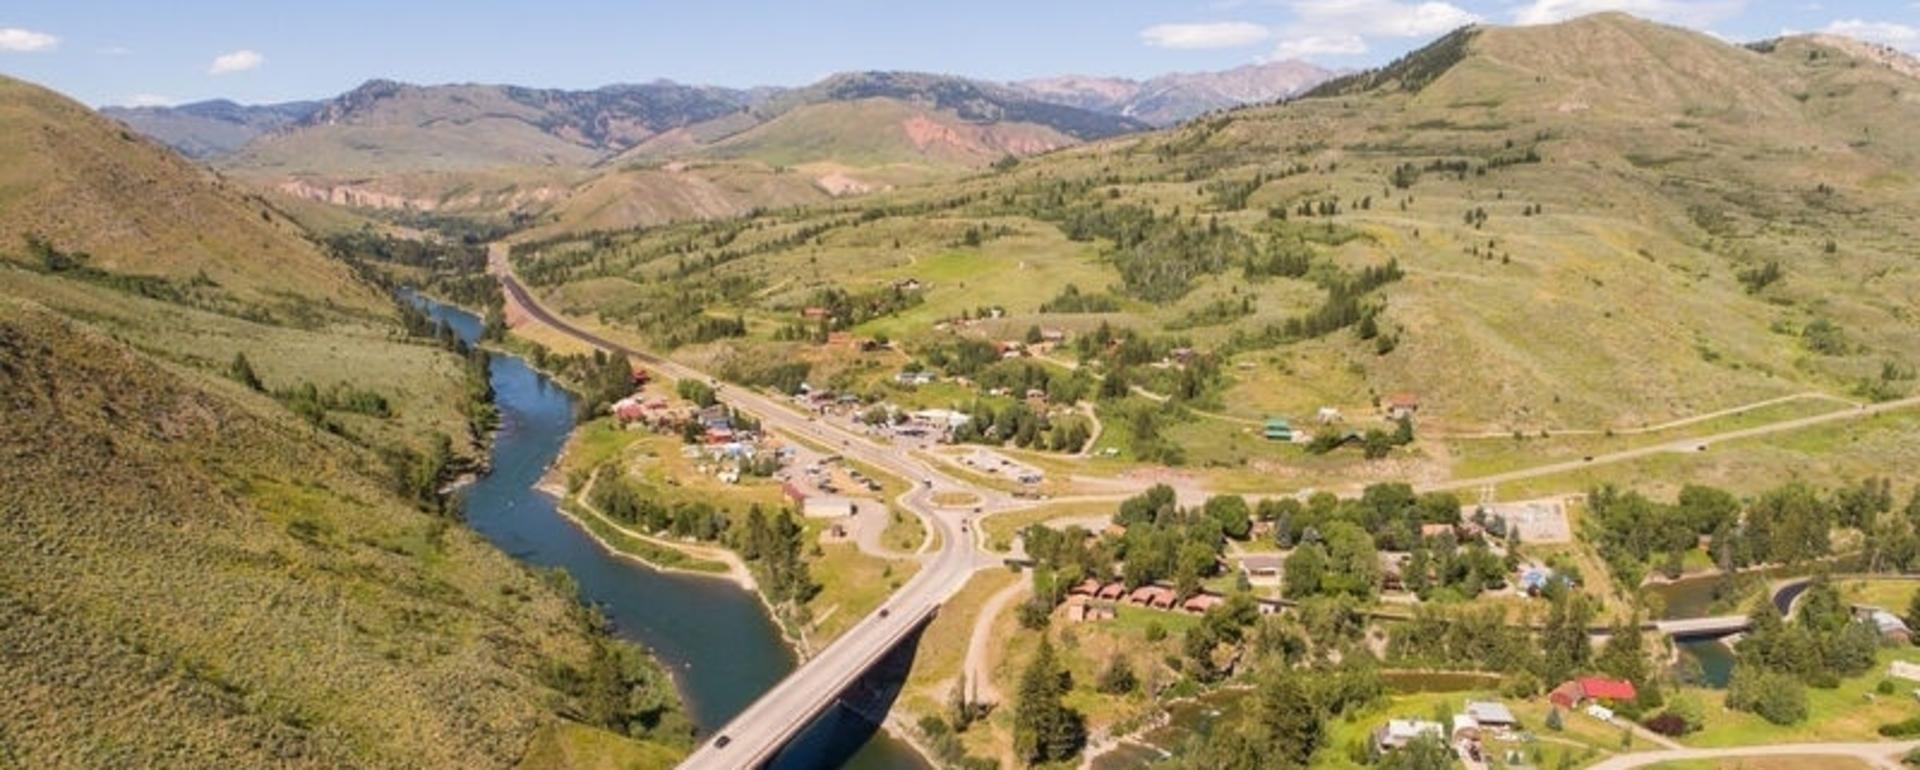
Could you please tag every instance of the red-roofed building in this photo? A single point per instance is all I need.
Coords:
(1601, 688)
(1157, 597)
(629, 409)
(1572, 693)
(1200, 603)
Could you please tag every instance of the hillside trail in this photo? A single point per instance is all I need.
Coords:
(1657, 427)
(978, 668)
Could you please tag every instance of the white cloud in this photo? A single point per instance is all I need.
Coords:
(114, 50)
(1309, 46)
(1222, 34)
(150, 100)
(1384, 18)
(1882, 32)
(1691, 13)
(26, 40)
(238, 61)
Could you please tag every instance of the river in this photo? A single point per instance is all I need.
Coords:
(716, 638)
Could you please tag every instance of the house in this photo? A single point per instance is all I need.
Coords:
(641, 377)
(1086, 587)
(918, 378)
(1435, 530)
(1053, 336)
(1536, 578)
(1278, 430)
(1080, 609)
(1397, 733)
(1112, 592)
(1592, 688)
(1890, 626)
(1198, 604)
(1402, 405)
(1036, 397)
(1157, 597)
(1326, 415)
(793, 493)
(827, 507)
(813, 312)
(1491, 713)
(629, 409)
(1262, 565)
(907, 284)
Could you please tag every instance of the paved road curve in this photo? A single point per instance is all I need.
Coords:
(1882, 755)
(759, 732)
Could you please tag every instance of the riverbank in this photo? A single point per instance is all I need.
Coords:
(718, 640)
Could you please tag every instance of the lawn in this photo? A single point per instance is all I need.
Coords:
(852, 585)
(1886, 593)
(943, 646)
(1850, 712)
(1000, 528)
(660, 556)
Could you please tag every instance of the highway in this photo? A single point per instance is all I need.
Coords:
(765, 726)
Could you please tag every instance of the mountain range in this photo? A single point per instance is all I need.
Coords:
(636, 154)
(618, 116)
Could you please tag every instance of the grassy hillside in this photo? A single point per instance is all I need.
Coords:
(88, 185)
(878, 131)
(216, 563)
(192, 577)
(1598, 224)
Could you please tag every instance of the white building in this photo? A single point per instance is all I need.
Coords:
(1400, 732)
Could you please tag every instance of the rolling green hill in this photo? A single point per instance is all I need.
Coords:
(1600, 223)
(207, 563)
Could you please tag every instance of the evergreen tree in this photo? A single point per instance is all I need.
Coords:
(1044, 729)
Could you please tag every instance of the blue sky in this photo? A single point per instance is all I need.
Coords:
(121, 52)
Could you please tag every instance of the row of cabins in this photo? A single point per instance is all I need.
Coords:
(1151, 596)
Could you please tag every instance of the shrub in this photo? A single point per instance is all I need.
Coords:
(1905, 728)
(1669, 724)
